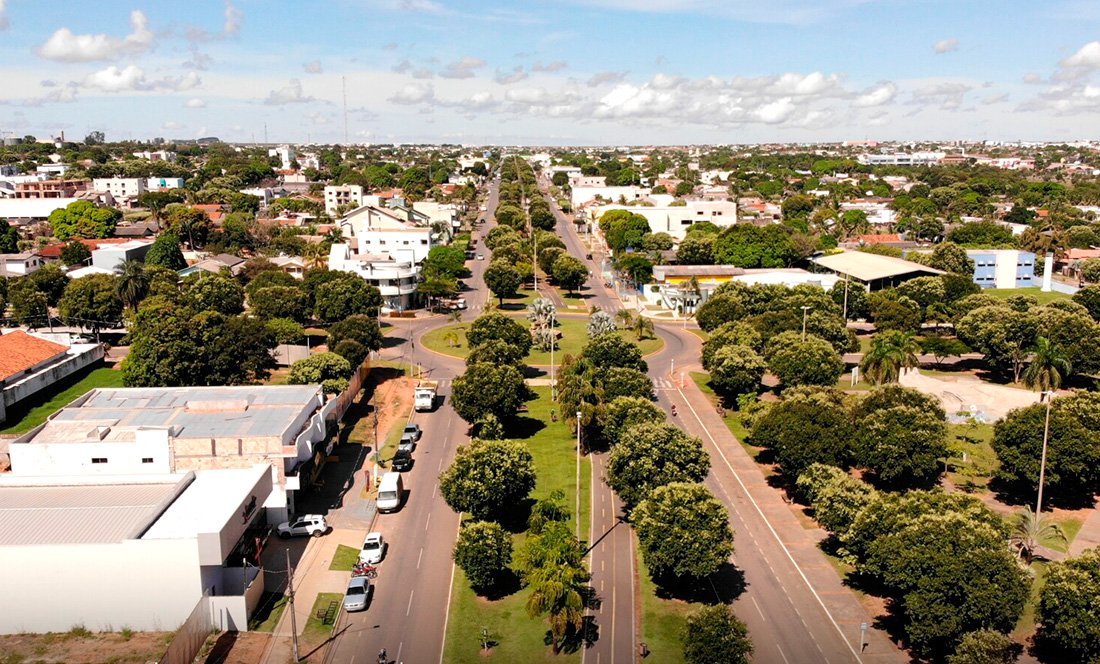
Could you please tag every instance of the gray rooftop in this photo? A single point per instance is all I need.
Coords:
(188, 412)
(81, 513)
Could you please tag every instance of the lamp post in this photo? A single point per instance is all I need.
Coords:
(845, 299)
(1049, 396)
(553, 340)
(804, 308)
(577, 513)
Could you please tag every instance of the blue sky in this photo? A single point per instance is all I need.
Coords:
(561, 72)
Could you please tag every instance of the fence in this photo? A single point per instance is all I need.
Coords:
(191, 634)
(334, 410)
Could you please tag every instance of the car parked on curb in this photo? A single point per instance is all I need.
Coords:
(373, 548)
(355, 597)
(481, 257)
(402, 460)
(313, 525)
(412, 431)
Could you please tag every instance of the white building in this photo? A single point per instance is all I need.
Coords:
(111, 256)
(53, 169)
(19, 265)
(576, 179)
(120, 188)
(160, 184)
(377, 231)
(156, 155)
(31, 209)
(395, 279)
(680, 288)
(138, 552)
(901, 159)
(878, 212)
(676, 220)
(444, 213)
(286, 156)
(342, 195)
(581, 195)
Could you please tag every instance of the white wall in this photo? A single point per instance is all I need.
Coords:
(143, 585)
(80, 356)
(75, 458)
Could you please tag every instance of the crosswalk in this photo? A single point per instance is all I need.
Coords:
(665, 384)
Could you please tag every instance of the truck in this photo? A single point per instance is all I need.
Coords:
(424, 396)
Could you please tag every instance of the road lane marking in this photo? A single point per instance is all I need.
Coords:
(399, 647)
(781, 654)
(419, 557)
(435, 487)
(428, 522)
(450, 589)
(409, 610)
(762, 616)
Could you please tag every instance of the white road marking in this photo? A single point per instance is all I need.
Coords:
(421, 555)
(428, 522)
(450, 589)
(781, 654)
(758, 609)
(409, 610)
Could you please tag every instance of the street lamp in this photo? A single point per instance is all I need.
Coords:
(1049, 396)
(577, 513)
(804, 308)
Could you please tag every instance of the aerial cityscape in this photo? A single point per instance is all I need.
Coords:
(677, 331)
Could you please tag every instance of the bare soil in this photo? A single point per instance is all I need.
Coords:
(95, 648)
(237, 648)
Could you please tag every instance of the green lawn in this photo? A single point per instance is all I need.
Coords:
(663, 620)
(972, 461)
(573, 338)
(35, 410)
(1044, 298)
(344, 558)
(316, 630)
(517, 303)
(268, 612)
(516, 637)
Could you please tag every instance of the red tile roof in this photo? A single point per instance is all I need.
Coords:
(20, 351)
(54, 250)
(879, 238)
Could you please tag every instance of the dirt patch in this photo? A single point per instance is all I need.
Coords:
(94, 648)
(237, 648)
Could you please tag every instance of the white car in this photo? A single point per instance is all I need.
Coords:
(355, 599)
(313, 525)
(373, 546)
(480, 257)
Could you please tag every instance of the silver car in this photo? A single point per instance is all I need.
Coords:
(355, 599)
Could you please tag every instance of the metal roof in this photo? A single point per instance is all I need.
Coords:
(869, 267)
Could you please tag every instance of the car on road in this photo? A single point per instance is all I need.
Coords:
(402, 460)
(481, 257)
(588, 256)
(313, 525)
(373, 547)
(355, 597)
(412, 431)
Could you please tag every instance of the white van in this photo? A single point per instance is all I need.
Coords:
(391, 491)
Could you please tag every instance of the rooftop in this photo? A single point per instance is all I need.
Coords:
(20, 351)
(116, 414)
(869, 267)
(208, 503)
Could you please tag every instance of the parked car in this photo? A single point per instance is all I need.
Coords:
(355, 597)
(313, 525)
(480, 257)
(412, 431)
(402, 460)
(373, 547)
(408, 440)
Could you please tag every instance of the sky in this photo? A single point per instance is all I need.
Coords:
(552, 72)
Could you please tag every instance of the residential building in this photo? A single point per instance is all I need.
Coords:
(111, 256)
(215, 264)
(295, 266)
(53, 169)
(160, 184)
(121, 188)
(581, 195)
(52, 252)
(901, 159)
(373, 230)
(1003, 268)
(878, 210)
(576, 179)
(337, 196)
(114, 432)
(873, 272)
(676, 220)
(156, 155)
(445, 213)
(286, 156)
(18, 265)
(50, 188)
(139, 552)
(395, 279)
(30, 363)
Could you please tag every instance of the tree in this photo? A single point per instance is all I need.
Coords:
(611, 350)
(133, 283)
(836, 496)
(902, 445)
(809, 426)
(550, 564)
(985, 646)
(496, 325)
(696, 249)
(713, 635)
(569, 273)
(329, 369)
(683, 531)
(496, 352)
(344, 296)
(511, 216)
(615, 382)
(892, 311)
(950, 257)
(795, 361)
(1068, 614)
(502, 279)
(1030, 530)
(986, 233)
(547, 257)
(166, 252)
(859, 305)
(737, 333)
(1005, 336)
(207, 291)
(29, 305)
(485, 389)
(92, 302)
(1089, 297)
(737, 370)
(483, 552)
(925, 291)
(9, 238)
(1048, 366)
(891, 352)
(942, 347)
(187, 222)
(449, 261)
(718, 310)
(751, 246)
(286, 331)
(361, 329)
(487, 477)
(436, 288)
(279, 302)
(651, 455)
(75, 252)
(623, 413)
(83, 219)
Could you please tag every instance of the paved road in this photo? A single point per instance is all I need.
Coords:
(407, 614)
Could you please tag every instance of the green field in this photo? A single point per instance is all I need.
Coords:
(34, 411)
(573, 338)
(1044, 298)
(663, 620)
(516, 637)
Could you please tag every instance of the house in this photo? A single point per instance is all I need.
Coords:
(111, 256)
(872, 271)
(30, 363)
(139, 230)
(52, 252)
(121, 188)
(337, 196)
(18, 265)
(676, 220)
(50, 188)
(215, 264)
(295, 266)
(373, 230)
(878, 210)
(151, 549)
(214, 211)
(286, 156)
(901, 159)
(581, 195)
(395, 279)
(161, 184)
(157, 155)
(53, 169)
(1003, 268)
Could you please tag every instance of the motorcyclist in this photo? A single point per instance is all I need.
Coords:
(673, 410)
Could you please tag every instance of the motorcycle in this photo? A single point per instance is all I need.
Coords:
(363, 569)
(673, 409)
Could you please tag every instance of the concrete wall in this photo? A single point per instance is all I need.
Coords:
(82, 355)
(143, 585)
(75, 458)
(231, 612)
(214, 548)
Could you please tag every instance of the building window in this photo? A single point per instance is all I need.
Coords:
(147, 459)
(423, 242)
(99, 459)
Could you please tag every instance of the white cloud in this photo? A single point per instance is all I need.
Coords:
(291, 93)
(1086, 57)
(462, 68)
(233, 19)
(776, 11)
(776, 111)
(557, 65)
(945, 46)
(528, 95)
(64, 46)
(507, 78)
(605, 77)
(313, 67)
(195, 102)
(414, 93)
(172, 125)
(131, 78)
(882, 93)
(948, 94)
(198, 60)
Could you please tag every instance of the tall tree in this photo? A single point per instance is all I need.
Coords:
(891, 352)
(683, 531)
(92, 302)
(1049, 366)
(133, 283)
(487, 477)
(652, 455)
(166, 252)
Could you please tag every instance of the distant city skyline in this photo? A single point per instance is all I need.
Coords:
(571, 72)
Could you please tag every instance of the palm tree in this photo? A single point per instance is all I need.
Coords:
(558, 589)
(1049, 366)
(891, 351)
(643, 327)
(1031, 530)
(133, 283)
(316, 257)
(625, 317)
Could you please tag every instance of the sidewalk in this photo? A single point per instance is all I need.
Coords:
(312, 576)
(1089, 535)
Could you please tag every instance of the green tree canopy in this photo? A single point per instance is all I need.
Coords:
(713, 635)
(330, 370)
(487, 477)
(74, 252)
(344, 296)
(623, 413)
(279, 302)
(503, 279)
(496, 325)
(166, 252)
(651, 455)
(83, 219)
(488, 389)
(1068, 615)
(92, 302)
(206, 291)
(683, 531)
(808, 426)
(483, 552)
(569, 273)
(795, 361)
(737, 370)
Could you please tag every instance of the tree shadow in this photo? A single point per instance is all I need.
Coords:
(522, 426)
(533, 372)
(508, 583)
(1018, 494)
(393, 340)
(575, 639)
(722, 587)
(514, 517)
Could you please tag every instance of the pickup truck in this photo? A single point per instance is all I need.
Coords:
(424, 396)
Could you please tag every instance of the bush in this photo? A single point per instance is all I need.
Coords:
(714, 635)
(483, 552)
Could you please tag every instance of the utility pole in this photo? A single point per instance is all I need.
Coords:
(1043, 463)
(578, 512)
(804, 308)
(290, 591)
